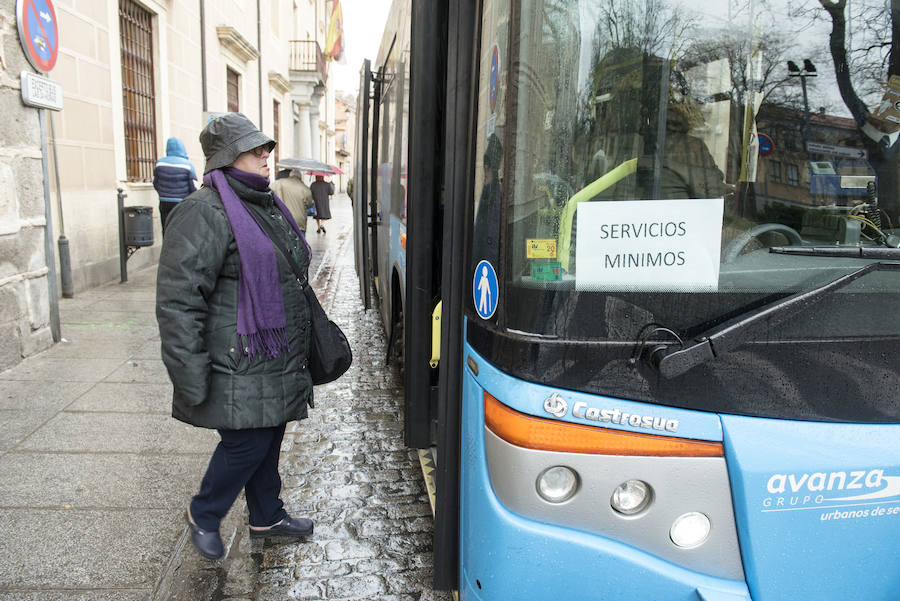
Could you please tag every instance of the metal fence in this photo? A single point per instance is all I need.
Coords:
(306, 55)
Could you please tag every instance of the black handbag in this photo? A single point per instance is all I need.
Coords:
(329, 351)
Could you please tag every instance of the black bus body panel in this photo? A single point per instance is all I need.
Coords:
(462, 77)
(424, 216)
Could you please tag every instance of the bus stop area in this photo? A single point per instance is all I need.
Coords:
(96, 474)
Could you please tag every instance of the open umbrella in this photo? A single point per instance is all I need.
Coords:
(308, 165)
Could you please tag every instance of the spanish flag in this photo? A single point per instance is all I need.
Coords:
(334, 46)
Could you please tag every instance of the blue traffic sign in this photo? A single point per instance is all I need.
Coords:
(766, 146)
(485, 290)
(38, 32)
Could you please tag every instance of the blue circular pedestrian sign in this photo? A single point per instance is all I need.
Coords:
(38, 32)
(485, 290)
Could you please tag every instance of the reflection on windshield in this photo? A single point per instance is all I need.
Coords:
(779, 131)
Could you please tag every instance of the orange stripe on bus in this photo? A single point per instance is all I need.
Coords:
(550, 435)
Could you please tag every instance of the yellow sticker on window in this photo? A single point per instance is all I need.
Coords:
(540, 248)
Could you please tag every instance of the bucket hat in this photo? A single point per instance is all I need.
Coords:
(226, 137)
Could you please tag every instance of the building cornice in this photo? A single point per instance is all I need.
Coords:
(278, 81)
(236, 43)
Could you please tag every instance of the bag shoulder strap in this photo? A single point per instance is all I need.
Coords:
(278, 243)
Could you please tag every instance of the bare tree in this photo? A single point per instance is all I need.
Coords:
(884, 21)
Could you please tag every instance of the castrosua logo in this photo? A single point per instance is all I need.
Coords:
(556, 405)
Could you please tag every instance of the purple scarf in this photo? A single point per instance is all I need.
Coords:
(261, 321)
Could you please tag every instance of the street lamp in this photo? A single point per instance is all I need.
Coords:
(809, 70)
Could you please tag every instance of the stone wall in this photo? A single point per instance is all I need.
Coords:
(24, 296)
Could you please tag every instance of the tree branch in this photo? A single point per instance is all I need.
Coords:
(838, 48)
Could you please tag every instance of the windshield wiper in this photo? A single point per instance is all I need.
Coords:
(721, 339)
(855, 252)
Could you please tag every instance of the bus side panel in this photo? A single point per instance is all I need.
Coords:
(506, 556)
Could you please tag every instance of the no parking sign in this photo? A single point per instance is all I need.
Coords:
(38, 32)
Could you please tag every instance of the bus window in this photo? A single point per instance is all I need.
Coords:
(680, 166)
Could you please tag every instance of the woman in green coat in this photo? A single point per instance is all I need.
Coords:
(234, 328)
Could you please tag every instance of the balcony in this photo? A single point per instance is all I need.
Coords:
(306, 58)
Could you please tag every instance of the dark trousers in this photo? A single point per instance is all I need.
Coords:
(244, 459)
(165, 207)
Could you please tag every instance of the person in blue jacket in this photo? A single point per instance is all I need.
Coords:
(173, 178)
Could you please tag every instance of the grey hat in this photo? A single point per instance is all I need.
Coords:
(226, 137)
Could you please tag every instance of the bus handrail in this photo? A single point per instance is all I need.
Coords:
(436, 336)
(564, 237)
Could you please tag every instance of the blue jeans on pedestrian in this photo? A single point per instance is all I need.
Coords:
(244, 459)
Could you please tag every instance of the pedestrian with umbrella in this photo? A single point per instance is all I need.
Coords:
(295, 194)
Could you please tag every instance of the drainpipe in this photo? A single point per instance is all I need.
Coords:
(259, 61)
(203, 52)
(65, 262)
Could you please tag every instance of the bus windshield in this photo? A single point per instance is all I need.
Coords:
(650, 171)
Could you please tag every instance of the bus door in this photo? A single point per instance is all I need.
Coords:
(384, 164)
(373, 178)
(423, 257)
(361, 191)
(463, 35)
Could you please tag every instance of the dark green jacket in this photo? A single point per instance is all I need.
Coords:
(216, 385)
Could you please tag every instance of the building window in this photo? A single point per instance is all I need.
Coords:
(276, 123)
(775, 171)
(138, 96)
(233, 85)
(793, 175)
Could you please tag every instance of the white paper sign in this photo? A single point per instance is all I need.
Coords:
(655, 245)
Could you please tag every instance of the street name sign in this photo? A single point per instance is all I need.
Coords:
(837, 151)
(41, 92)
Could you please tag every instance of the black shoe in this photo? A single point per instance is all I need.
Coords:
(209, 544)
(288, 527)
(323, 230)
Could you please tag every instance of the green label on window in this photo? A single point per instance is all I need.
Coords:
(546, 272)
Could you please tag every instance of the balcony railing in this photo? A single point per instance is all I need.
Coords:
(306, 55)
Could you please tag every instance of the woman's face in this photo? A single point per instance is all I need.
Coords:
(254, 161)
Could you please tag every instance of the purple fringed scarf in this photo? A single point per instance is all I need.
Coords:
(261, 321)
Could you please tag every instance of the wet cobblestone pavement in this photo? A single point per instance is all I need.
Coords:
(345, 467)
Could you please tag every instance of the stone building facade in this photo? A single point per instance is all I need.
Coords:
(344, 137)
(134, 73)
(24, 283)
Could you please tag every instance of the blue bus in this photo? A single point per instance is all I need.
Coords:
(638, 264)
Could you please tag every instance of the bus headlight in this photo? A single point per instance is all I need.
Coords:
(690, 530)
(557, 484)
(631, 497)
